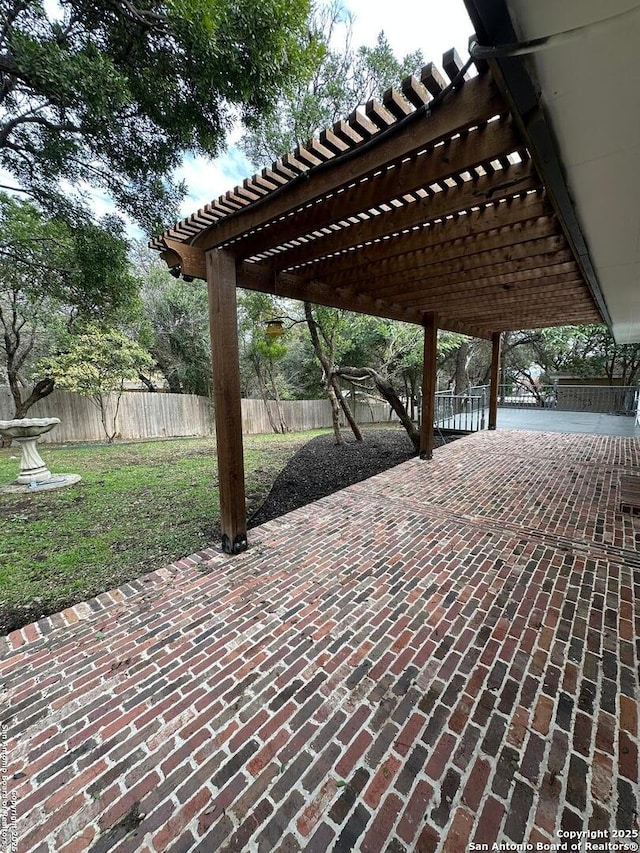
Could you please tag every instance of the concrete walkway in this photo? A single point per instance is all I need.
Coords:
(551, 420)
(445, 654)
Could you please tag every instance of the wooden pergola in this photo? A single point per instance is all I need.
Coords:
(426, 207)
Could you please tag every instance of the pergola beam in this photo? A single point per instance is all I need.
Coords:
(461, 271)
(516, 179)
(476, 148)
(430, 245)
(474, 104)
(382, 279)
(427, 214)
(460, 155)
(262, 277)
(496, 279)
(472, 291)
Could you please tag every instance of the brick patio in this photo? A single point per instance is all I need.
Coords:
(443, 654)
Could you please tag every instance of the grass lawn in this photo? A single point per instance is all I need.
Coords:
(138, 507)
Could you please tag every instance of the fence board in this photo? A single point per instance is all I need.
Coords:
(141, 415)
(146, 415)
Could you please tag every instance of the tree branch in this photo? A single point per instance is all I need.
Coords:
(60, 127)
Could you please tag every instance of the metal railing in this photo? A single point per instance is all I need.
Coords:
(460, 412)
(513, 396)
(480, 391)
(604, 399)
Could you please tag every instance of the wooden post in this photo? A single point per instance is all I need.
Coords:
(496, 345)
(429, 381)
(223, 321)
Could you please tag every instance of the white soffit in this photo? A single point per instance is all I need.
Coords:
(590, 90)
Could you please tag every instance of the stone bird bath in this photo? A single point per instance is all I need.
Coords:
(34, 473)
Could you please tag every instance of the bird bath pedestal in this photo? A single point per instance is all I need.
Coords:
(34, 474)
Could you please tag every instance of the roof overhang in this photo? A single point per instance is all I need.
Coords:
(426, 202)
(576, 100)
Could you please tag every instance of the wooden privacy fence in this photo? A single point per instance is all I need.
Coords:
(145, 415)
(306, 414)
(141, 415)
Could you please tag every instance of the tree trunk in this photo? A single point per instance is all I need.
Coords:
(265, 397)
(148, 383)
(335, 412)
(460, 378)
(40, 390)
(388, 392)
(330, 381)
(503, 366)
(169, 372)
(346, 408)
(109, 425)
(284, 426)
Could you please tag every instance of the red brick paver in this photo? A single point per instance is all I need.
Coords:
(442, 655)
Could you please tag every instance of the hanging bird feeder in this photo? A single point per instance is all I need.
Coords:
(275, 329)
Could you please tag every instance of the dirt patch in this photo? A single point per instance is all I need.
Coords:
(322, 467)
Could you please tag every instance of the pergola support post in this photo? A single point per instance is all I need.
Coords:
(496, 347)
(429, 382)
(223, 321)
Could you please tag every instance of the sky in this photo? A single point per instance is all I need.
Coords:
(432, 26)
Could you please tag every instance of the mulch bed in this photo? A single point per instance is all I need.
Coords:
(322, 467)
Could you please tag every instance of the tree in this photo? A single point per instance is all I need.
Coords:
(113, 93)
(360, 374)
(96, 364)
(331, 87)
(531, 358)
(52, 277)
(588, 351)
(394, 350)
(324, 325)
(175, 327)
(261, 352)
(341, 81)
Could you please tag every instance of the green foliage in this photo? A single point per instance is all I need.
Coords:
(299, 366)
(582, 351)
(393, 349)
(175, 328)
(52, 276)
(113, 93)
(587, 351)
(260, 354)
(254, 312)
(97, 361)
(449, 343)
(84, 268)
(333, 86)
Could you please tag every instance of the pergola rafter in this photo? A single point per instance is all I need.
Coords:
(423, 206)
